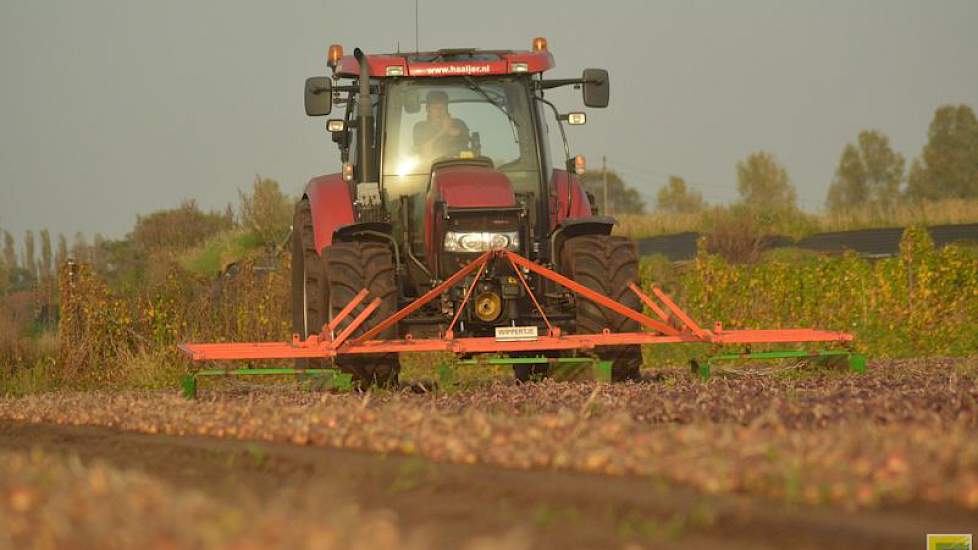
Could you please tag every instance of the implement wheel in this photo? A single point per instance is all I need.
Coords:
(350, 267)
(606, 264)
(308, 281)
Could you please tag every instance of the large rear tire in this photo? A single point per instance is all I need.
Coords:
(351, 267)
(606, 264)
(308, 281)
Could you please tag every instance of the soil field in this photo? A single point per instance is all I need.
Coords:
(800, 457)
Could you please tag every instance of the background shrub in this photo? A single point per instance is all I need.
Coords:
(266, 211)
(181, 227)
(923, 302)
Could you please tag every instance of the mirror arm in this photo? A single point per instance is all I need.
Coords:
(557, 82)
(355, 88)
(560, 124)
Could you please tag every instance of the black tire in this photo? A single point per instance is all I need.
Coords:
(606, 264)
(351, 267)
(308, 281)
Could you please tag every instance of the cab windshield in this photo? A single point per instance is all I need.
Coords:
(433, 119)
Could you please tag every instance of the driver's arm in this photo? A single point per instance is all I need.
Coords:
(459, 128)
(426, 135)
(459, 133)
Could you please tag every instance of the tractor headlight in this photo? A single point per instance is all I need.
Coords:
(477, 241)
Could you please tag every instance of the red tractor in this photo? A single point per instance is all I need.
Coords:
(450, 229)
(445, 156)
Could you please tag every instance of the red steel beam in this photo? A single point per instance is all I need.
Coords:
(355, 324)
(346, 310)
(595, 297)
(427, 297)
(550, 328)
(648, 302)
(281, 350)
(465, 300)
(541, 344)
(775, 336)
(678, 312)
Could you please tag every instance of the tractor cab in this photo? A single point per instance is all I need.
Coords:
(458, 119)
(482, 109)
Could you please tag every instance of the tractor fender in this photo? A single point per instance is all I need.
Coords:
(381, 230)
(331, 207)
(569, 201)
(575, 227)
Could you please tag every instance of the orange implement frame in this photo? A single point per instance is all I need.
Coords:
(672, 326)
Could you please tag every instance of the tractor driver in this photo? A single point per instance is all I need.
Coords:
(440, 135)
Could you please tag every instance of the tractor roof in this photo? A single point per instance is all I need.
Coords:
(452, 62)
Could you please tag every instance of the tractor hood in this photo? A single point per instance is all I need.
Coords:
(466, 196)
(471, 186)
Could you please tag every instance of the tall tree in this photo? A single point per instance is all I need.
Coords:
(30, 264)
(763, 183)
(4, 275)
(9, 250)
(80, 249)
(266, 211)
(46, 256)
(98, 252)
(948, 165)
(869, 172)
(677, 197)
(4, 278)
(622, 198)
(849, 187)
(181, 227)
(61, 256)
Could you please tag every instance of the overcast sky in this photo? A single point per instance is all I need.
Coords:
(111, 109)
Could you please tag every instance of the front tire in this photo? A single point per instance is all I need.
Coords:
(308, 281)
(350, 267)
(606, 264)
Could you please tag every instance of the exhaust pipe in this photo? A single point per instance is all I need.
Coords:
(365, 117)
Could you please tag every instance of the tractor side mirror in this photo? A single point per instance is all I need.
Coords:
(318, 96)
(595, 88)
